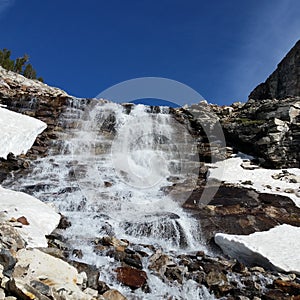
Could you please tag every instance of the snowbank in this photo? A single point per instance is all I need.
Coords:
(17, 132)
(41, 217)
(231, 171)
(277, 248)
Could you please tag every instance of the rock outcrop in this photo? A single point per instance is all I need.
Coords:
(268, 125)
(284, 82)
(268, 129)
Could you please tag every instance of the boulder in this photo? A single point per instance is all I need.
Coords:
(131, 277)
(44, 276)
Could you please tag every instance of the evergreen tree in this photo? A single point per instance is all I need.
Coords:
(29, 72)
(21, 65)
(6, 62)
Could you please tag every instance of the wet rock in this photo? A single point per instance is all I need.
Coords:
(107, 184)
(92, 274)
(174, 274)
(120, 245)
(216, 278)
(158, 262)
(102, 287)
(64, 223)
(77, 253)
(131, 277)
(133, 260)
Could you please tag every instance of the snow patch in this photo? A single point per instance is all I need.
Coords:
(41, 217)
(231, 171)
(277, 248)
(18, 132)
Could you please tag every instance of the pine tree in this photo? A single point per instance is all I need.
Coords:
(29, 72)
(6, 62)
(21, 65)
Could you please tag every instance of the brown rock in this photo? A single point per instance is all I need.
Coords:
(23, 220)
(131, 277)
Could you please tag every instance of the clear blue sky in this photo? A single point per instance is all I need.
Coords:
(222, 49)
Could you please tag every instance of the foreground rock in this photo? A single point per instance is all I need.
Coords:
(44, 277)
(276, 249)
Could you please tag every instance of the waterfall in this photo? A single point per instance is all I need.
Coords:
(108, 172)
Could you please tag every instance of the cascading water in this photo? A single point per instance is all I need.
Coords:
(107, 173)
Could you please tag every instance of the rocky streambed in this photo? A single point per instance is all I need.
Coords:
(143, 271)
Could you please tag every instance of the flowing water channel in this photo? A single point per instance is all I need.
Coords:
(108, 172)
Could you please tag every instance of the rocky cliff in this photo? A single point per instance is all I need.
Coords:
(284, 82)
(268, 125)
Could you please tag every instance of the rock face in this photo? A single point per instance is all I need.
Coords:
(269, 129)
(284, 81)
(268, 125)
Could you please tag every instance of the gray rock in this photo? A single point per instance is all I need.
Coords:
(284, 81)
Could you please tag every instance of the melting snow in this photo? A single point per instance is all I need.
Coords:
(17, 132)
(277, 248)
(41, 217)
(231, 171)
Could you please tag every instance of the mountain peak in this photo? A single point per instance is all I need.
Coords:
(284, 82)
